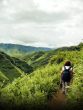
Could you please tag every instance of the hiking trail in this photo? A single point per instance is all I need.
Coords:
(58, 101)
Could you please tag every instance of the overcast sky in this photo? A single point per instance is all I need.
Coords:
(46, 23)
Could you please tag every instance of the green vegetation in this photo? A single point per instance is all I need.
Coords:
(33, 91)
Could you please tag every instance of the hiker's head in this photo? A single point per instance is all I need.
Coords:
(67, 63)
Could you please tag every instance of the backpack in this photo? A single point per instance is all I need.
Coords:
(66, 76)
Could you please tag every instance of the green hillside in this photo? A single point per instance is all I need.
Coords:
(39, 59)
(11, 68)
(34, 91)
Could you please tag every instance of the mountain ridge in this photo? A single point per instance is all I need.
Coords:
(16, 49)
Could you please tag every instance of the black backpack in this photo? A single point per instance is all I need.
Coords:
(66, 76)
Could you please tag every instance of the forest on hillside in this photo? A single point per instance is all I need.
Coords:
(30, 81)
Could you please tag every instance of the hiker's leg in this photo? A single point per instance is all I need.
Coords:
(63, 86)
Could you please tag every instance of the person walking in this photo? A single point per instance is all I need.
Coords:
(66, 76)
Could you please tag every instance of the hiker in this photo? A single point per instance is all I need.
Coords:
(66, 75)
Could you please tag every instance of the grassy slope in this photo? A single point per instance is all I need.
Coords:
(36, 88)
(11, 68)
(7, 68)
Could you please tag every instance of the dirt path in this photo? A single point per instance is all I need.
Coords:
(58, 101)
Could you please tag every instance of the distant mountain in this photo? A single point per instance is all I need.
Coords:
(16, 50)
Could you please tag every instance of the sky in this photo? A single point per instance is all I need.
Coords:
(43, 23)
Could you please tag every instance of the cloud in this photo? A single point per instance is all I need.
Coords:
(50, 23)
(41, 17)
